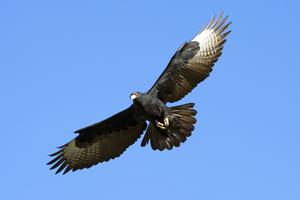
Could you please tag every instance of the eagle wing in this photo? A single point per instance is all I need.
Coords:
(99, 142)
(192, 62)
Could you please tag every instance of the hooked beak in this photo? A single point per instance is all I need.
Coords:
(133, 96)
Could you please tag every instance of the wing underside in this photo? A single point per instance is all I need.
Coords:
(192, 62)
(99, 142)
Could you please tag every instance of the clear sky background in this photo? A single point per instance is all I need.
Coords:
(67, 64)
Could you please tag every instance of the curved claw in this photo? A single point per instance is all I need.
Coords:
(160, 125)
(166, 121)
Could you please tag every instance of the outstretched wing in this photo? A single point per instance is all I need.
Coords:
(99, 142)
(192, 62)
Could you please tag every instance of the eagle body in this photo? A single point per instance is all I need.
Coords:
(150, 107)
(167, 127)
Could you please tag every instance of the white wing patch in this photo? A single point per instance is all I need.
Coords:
(204, 36)
(211, 40)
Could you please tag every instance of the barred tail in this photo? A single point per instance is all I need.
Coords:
(182, 122)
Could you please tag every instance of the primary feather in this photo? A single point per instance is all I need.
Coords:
(192, 62)
(99, 142)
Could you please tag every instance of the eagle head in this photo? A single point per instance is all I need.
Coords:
(134, 95)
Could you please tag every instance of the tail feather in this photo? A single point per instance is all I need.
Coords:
(182, 122)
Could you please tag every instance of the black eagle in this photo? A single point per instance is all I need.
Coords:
(168, 126)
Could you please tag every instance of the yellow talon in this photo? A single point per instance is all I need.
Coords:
(166, 121)
(160, 125)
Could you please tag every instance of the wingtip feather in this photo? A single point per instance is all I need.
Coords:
(56, 153)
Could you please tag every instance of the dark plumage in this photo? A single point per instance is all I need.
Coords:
(168, 126)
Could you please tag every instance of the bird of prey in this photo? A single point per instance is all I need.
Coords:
(167, 127)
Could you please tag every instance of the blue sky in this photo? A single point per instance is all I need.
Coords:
(67, 64)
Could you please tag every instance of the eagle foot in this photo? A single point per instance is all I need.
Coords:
(166, 121)
(163, 125)
(160, 125)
